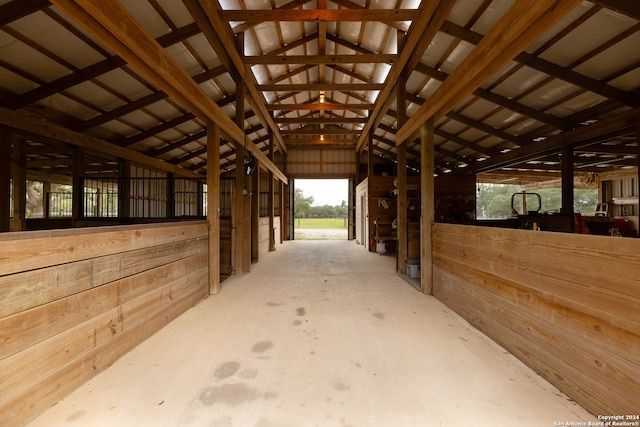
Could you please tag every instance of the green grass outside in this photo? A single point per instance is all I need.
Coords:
(321, 223)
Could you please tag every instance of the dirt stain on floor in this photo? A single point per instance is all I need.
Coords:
(262, 346)
(230, 394)
(226, 370)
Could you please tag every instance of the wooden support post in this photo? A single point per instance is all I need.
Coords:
(255, 215)
(291, 192)
(240, 222)
(46, 190)
(124, 189)
(237, 213)
(270, 201)
(403, 225)
(171, 195)
(246, 228)
(567, 182)
(427, 210)
(19, 174)
(282, 212)
(286, 219)
(6, 156)
(213, 205)
(402, 231)
(77, 208)
(370, 155)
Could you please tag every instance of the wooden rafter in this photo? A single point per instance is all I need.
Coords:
(319, 107)
(318, 15)
(521, 24)
(585, 135)
(423, 28)
(17, 9)
(115, 27)
(221, 37)
(339, 60)
(343, 87)
(321, 59)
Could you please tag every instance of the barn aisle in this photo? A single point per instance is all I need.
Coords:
(320, 333)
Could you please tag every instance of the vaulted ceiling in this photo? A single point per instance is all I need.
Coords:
(508, 83)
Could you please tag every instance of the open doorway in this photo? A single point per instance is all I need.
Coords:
(321, 209)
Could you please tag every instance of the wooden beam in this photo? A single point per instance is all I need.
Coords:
(319, 15)
(342, 87)
(238, 212)
(148, 100)
(626, 7)
(92, 71)
(294, 4)
(219, 34)
(524, 22)
(77, 205)
(271, 197)
(319, 120)
(293, 45)
(549, 68)
(213, 205)
(321, 142)
(29, 125)
(423, 28)
(318, 131)
(427, 217)
(401, 198)
(114, 26)
(370, 154)
(322, 41)
(6, 159)
(584, 135)
(567, 181)
(255, 216)
(318, 107)
(151, 132)
(17, 9)
(241, 213)
(380, 58)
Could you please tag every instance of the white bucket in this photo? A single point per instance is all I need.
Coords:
(413, 269)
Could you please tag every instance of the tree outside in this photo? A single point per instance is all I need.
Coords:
(301, 204)
(303, 208)
(309, 219)
(494, 200)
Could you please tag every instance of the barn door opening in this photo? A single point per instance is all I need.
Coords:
(321, 209)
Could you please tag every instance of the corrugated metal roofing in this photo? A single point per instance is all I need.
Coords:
(329, 67)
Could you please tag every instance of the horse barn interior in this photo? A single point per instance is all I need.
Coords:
(149, 152)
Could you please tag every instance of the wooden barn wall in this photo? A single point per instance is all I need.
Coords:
(74, 301)
(321, 163)
(565, 304)
(264, 234)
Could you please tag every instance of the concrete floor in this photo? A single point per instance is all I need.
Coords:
(320, 333)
